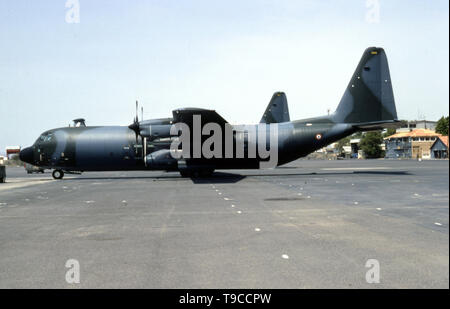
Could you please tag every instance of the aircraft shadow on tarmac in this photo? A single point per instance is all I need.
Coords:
(219, 177)
(224, 177)
(382, 172)
(397, 173)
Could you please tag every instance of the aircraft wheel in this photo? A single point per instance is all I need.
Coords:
(185, 174)
(206, 173)
(58, 174)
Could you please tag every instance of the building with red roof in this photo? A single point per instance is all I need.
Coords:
(413, 144)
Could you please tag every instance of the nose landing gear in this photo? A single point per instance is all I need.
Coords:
(58, 174)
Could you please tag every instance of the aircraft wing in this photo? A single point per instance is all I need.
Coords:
(185, 115)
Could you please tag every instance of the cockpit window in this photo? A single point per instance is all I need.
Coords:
(46, 137)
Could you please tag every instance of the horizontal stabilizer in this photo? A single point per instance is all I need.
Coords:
(379, 125)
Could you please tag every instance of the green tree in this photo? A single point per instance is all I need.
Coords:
(389, 132)
(343, 142)
(358, 134)
(442, 126)
(370, 144)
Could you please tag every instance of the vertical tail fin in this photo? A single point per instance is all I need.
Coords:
(369, 97)
(277, 111)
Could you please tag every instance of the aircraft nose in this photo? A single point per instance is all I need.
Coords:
(26, 155)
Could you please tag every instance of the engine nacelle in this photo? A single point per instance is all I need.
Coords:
(161, 160)
(155, 131)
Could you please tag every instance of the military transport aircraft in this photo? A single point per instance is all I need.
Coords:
(367, 104)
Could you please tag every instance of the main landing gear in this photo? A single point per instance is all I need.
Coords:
(58, 174)
(197, 173)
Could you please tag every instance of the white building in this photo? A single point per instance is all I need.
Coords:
(417, 124)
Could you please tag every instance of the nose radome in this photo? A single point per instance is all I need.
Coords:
(26, 155)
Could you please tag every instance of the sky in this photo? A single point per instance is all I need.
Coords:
(230, 56)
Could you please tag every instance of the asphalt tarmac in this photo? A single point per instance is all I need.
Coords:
(310, 224)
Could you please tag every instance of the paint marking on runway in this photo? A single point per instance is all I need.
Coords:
(15, 185)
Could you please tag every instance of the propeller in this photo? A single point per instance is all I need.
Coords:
(135, 125)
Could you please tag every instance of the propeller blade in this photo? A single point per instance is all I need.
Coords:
(135, 125)
(136, 119)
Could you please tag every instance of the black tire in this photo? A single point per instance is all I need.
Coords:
(185, 174)
(58, 174)
(197, 173)
(206, 173)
